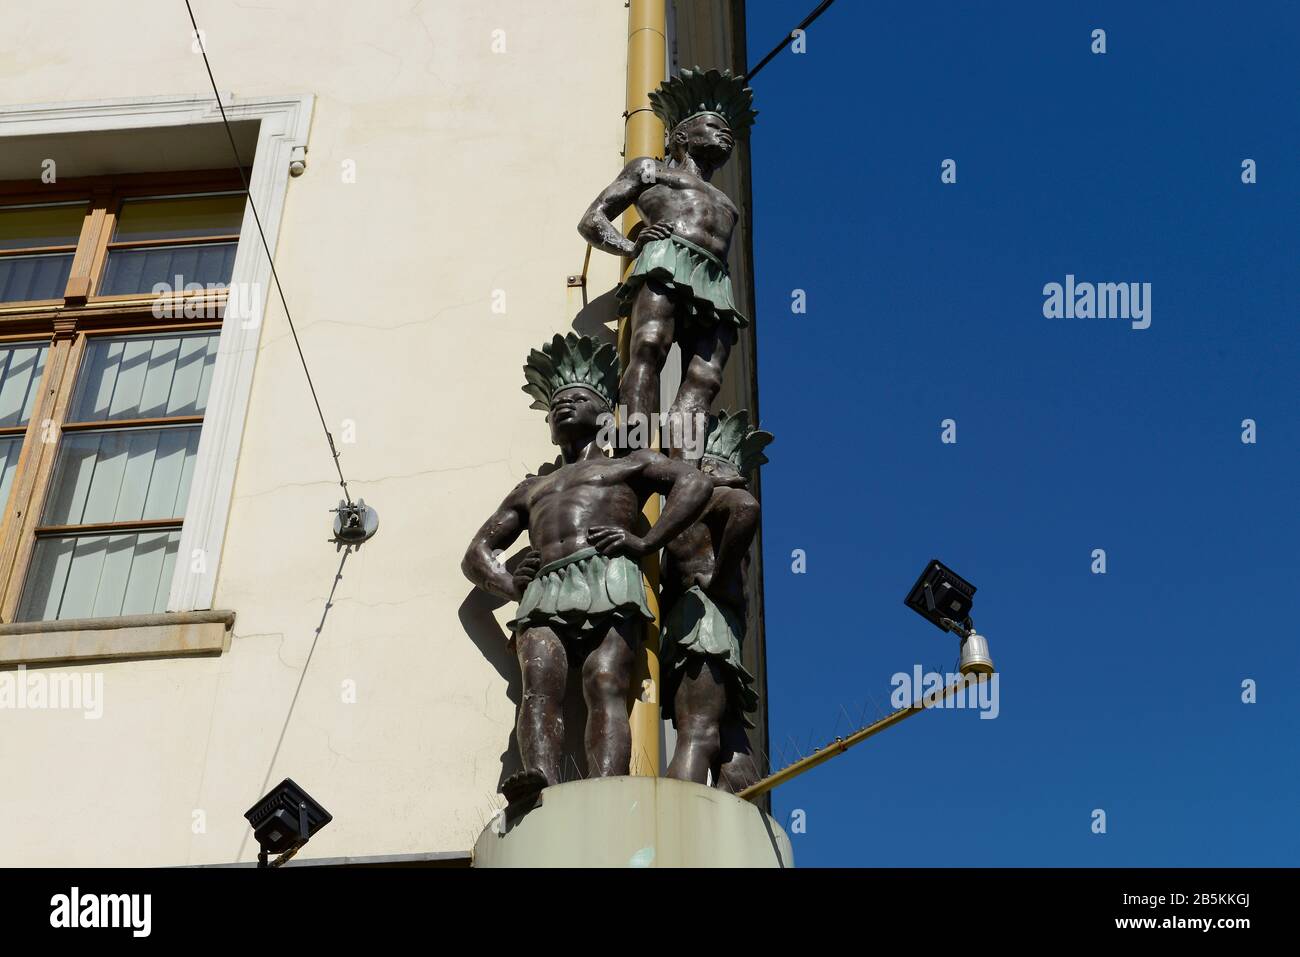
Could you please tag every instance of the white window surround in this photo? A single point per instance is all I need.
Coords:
(281, 139)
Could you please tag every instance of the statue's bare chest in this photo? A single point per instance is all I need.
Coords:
(596, 477)
(677, 192)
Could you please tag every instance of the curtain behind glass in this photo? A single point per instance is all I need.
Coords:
(144, 377)
(95, 576)
(21, 366)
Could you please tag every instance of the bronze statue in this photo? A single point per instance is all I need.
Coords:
(707, 691)
(582, 601)
(679, 288)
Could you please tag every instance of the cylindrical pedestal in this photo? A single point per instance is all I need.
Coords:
(635, 822)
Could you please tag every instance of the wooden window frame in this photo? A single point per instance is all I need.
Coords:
(67, 325)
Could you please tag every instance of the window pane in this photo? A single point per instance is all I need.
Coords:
(21, 365)
(32, 226)
(139, 270)
(193, 216)
(139, 377)
(34, 277)
(10, 446)
(93, 576)
(122, 475)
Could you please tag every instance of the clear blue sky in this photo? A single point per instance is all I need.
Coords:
(1119, 691)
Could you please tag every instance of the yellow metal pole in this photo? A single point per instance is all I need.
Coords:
(647, 47)
(840, 745)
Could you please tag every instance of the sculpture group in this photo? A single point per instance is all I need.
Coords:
(582, 601)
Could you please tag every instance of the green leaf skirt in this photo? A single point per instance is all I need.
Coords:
(696, 625)
(694, 277)
(581, 593)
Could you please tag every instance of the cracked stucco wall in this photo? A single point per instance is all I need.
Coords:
(472, 168)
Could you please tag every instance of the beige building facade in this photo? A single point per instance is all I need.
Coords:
(418, 170)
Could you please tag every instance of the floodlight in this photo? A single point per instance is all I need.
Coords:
(284, 821)
(944, 598)
(941, 596)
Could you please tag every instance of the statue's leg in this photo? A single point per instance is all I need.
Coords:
(739, 769)
(648, 345)
(704, 355)
(606, 679)
(544, 664)
(698, 706)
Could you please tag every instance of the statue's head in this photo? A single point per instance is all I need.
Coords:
(733, 447)
(575, 380)
(576, 415)
(705, 136)
(704, 111)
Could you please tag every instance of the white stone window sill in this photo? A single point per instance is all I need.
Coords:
(168, 635)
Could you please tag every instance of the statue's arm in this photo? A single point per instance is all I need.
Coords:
(738, 530)
(498, 532)
(686, 492)
(597, 226)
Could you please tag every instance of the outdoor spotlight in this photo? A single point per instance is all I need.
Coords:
(941, 596)
(284, 821)
(944, 598)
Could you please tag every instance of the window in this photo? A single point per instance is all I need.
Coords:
(156, 240)
(106, 542)
(37, 243)
(102, 393)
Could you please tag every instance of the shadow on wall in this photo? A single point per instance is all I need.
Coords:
(599, 318)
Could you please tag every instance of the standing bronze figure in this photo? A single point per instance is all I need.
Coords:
(707, 691)
(582, 602)
(679, 288)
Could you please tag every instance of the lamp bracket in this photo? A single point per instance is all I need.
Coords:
(354, 523)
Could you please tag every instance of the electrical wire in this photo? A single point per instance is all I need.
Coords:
(807, 22)
(329, 438)
(334, 452)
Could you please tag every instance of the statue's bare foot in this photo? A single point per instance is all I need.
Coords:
(523, 785)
